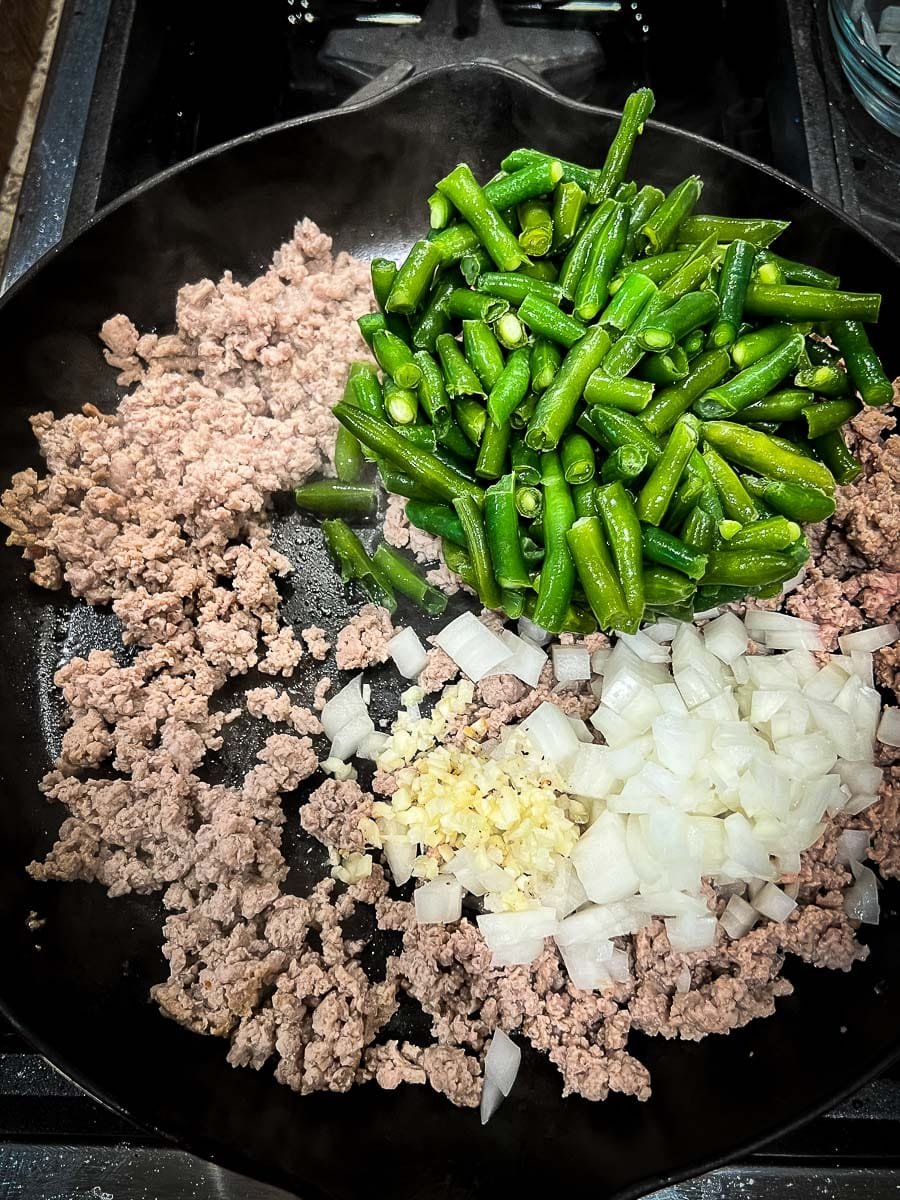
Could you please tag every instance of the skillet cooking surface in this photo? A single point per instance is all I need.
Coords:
(82, 995)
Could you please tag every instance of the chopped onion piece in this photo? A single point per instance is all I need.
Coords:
(773, 903)
(601, 859)
(501, 1063)
(853, 846)
(739, 917)
(875, 638)
(760, 620)
(599, 660)
(372, 745)
(526, 660)
(581, 730)
(708, 614)
(862, 663)
(472, 646)
(407, 651)
(438, 902)
(571, 663)
(860, 803)
(350, 736)
(491, 1099)
(588, 963)
(616, 729)
(534, 632)
(551, 734)
(690, 932)
(889, 727)
(861, 900)
(726, 637)
(662, 631)
(859, 777)
(508, 928)
(794, 582)
(646, 648)
(683, 980)
(400, 855)
(793, 639)
(517, 954)
(342, 707)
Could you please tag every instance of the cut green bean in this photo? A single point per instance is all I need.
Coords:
(419, 464)
(772, 533)
(662, 225)
(542, 269)
(693, 344)
(750, 347)
(669, 551)
(793, 302)
(469, 513)
(613, 427)
(365, 390)
(785, 405)
(434, 319)
(734, 277)
(458, 561)
(656, 268)
(348, 456)
(454, 242)
(556, 406)
(666, 368)
(586, 177)
(355, 565)
(636, 110)
(461, 188)
(757, 452)
(472, 266)
(568, 205)
(433, 395)
(511, 332)
(642, 207)
(687, 496)
(493, 451)
(535, 179)
(827, 380)
(501, 522)
(631, 394)
(383, 272)
(511, 387)
(665, 588)
(669, 404)
(593, 563)
(405, 579)
(690, 312)
(583, 499)
(834, 453)
(605, 254)
(471, 418)
(369, 324)
(400, 404)
(759, 231)
(753, 383)
(546, 320)
(736, 501)
(797, 272)
(626, 305)
(482, 351)
(514, 287)
(863, 364)
(654, 497)
(747, 568)
(577, 458)
(525, 462)
(624, 464)
(437, 519)
(414, 278)
(536, 227)
(440, 211)
(529, 501)
(623, 534)
(545, 362)
(699, 530)
(829, 415)
(333, 498)
(557, 579)
(576, 258)
(395, 359)
(475, 306)
(459, 378)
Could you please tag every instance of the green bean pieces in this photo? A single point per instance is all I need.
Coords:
(863, 364)
(557, 404)
(756, 230)
(395, 359)
(733, 280)
(592, 560)
(577, 458)
(669, 551)
(794, 302)
(670, 403)
(545, 361)
(758, 452)
(461, 188)
(657, 492)
(413, 279)
(356, 565)
(624, 464)
(405, 579)
(661, 226)
(437, 519)
(623, 532)
(548, 321)
(501, 521)
(459, 378)
(751, 384)
(482, 351)
(331, 497)
(631, 394)
(557, 579)
(568, 205)
(834, 453)
(536, 225)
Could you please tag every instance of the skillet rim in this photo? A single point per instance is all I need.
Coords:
(228, 1155)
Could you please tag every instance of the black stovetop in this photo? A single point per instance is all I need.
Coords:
(137, 86)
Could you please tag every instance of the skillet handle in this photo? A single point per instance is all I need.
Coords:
(380, 58)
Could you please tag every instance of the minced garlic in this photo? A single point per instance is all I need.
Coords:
(504, 804)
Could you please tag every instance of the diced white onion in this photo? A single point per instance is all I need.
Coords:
(516, 954)
(690, 932)
(551, 734)
(645, 647)
(525, 661)
(761, 620)
(580, 729)
(601, 859)
(860, 803)
(400, 855)
(472, 646)
(510, 928)
(853, 846)
(708, 614)
(889, 727)
(872, 639)
(793, 639)
(726, 637)
(571, 663)
(372, 745)
(738, 917)
(683, 980)
(351, 735)
(534, 632)
(599, 660)
(794, 582)
(772, 902)
(861, 900)
(501, 1063)
(438, 902)
(407, 651)
(342, 707)
(662, 631)
(491, 1099)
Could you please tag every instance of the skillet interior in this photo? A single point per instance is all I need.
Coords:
(362, 174)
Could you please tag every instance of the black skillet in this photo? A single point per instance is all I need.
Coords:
(78, 987)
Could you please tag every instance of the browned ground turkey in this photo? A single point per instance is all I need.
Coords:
(160, 510)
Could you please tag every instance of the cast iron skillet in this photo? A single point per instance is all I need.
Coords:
(78, 987)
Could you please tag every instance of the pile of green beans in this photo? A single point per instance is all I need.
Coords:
(606, 403)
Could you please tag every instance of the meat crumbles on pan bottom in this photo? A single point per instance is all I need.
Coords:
(160, 510)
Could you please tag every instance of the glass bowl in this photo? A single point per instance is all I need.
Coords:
(875, 80)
